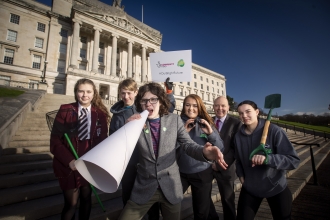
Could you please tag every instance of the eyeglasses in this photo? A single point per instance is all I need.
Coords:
(145, 101)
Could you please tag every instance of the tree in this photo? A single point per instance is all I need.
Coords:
(231, 103)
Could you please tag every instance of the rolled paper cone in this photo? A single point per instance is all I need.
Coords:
(105, 164)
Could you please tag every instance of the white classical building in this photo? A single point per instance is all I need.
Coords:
(52, 47)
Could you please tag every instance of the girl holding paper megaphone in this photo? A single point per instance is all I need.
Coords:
(158, 176)
(86, 123)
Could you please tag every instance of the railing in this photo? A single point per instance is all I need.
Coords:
(312, 158)
(18, 84)
(315, 132)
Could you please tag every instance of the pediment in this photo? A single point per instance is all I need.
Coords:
(117, 19)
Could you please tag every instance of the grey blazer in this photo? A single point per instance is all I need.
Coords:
(163, 171)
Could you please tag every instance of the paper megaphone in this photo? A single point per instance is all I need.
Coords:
(105, 164)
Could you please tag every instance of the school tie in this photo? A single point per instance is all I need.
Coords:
(218, 124)
(83, 125)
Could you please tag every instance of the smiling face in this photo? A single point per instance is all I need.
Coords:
(191, 108)
(221, 107)
(248, 115)
(85, 94)
(153, 109)
(128, 96)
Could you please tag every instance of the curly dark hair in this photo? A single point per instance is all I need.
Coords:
(96, 101)
(157, 90)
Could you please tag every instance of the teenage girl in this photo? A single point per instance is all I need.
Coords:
(86, 123)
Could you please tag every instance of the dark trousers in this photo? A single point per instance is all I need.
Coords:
(226, 189)
(127, 187)
(201, 187)
(279, 204)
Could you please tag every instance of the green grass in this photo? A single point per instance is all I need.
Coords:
(310, 127)
(5, 92)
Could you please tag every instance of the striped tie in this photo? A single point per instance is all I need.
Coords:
(83, 125)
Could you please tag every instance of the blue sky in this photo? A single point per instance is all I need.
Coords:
(261, 46)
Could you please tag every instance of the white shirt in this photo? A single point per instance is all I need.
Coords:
(89, 118)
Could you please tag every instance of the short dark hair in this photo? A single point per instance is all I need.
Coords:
(157, 90)
(248, 102)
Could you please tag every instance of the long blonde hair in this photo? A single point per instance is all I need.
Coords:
(96, 101)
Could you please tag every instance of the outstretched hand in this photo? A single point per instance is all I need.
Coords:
(214, 153)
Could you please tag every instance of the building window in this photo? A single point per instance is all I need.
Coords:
(181, 91)
(83, 40)
(212, 89)
(207, 88)
(82, 66)
(39, 42)
(201, 86)
(212, 81)
(208, 97)
(12, 35)
(218, 91)
(207, 80)
(195, 84)
(217, 83)
(41, 27)
(36, 62)
(202, 96)
(221, 85)
(100, 70)
(222, 92)
(14, 18)
(7, 80)
(188, 83)
(61, 66)
(64, 33)
(83, 53)
(181, 82)
(33, 84)
(195, 76)
(9, 56)
(101, 58)
(62, 48)
(101, 45)
(201, 78)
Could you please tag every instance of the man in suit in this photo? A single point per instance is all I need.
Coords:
(227, 127)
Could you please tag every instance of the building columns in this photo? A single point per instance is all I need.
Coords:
(114, 55)
(75, 43)
(144, 63)
(130, 58)
(96, 49)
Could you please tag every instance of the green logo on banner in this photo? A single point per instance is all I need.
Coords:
(181, 63)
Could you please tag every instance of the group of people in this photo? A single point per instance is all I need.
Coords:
(174, 152)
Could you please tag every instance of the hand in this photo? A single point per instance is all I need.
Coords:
(133, 117)
(168, 85)
(214, 153)
(186, 125)
(241, 179)
(214, 167)
(258, 160)
(72, 165)
(208, 129)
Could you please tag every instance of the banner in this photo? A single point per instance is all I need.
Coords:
(173, 64)
(105, 164)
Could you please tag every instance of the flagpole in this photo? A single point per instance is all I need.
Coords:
(142, 13)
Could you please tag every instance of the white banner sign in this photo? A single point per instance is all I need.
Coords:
(173, 64)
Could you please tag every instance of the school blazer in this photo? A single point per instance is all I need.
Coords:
(66, 121)
(163, 172)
